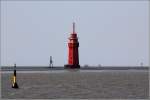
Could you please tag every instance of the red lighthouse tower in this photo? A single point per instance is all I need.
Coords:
(73, 54)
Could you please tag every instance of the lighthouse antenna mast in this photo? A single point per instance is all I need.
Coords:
(73, 27)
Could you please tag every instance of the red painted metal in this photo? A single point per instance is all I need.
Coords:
(73, 54)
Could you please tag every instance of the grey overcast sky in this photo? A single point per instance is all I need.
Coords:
(110, 32)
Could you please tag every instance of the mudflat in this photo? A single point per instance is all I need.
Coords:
(116, 84)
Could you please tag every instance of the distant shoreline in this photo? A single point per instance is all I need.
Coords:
(46, 68)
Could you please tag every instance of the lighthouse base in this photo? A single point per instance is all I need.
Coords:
(70, 66)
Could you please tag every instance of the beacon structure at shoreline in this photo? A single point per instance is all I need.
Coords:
(73, 53)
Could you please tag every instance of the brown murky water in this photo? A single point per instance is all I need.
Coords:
(76, 84)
